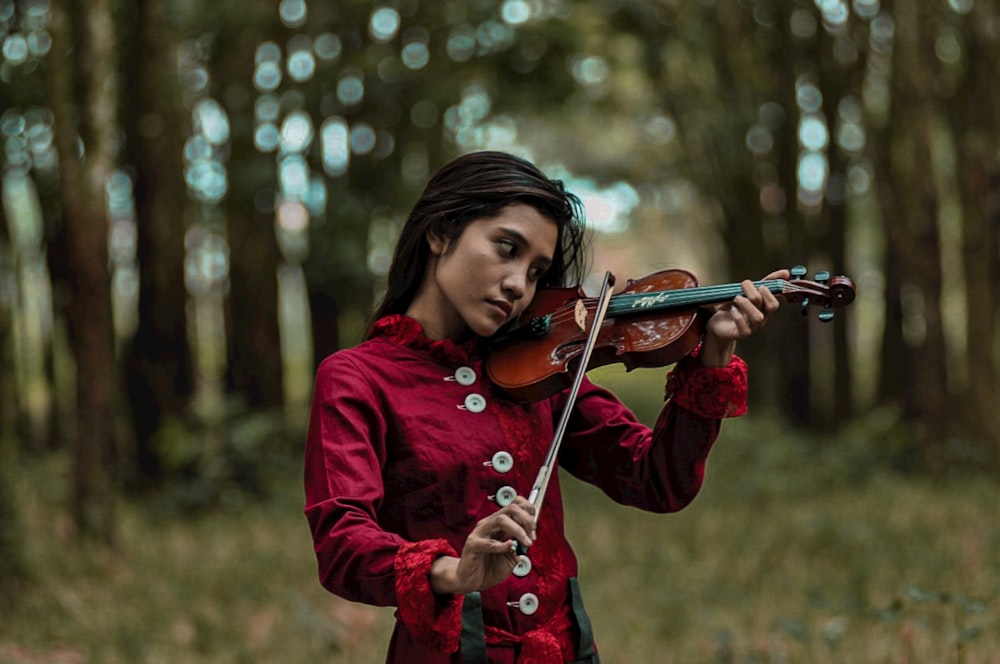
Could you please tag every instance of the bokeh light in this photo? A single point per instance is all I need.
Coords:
(301, 63)
(293, 13)
(351, 88)
(384, 24)
(296, 132)
(461, 43)
(813, 134)
(328, 47)
(335, 142)
(515, 12)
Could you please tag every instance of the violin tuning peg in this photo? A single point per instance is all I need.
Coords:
(798, 271)
(825, 316)
(539, 326)
(805, 306)
(822, 277)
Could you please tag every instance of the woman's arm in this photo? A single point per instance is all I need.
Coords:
(659, 469)
(358, 559)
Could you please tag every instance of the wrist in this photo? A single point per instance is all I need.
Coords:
(715, 353)
(444, 576)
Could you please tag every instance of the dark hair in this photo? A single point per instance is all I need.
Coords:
(476, 186)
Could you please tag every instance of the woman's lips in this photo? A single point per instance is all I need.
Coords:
(502, 306)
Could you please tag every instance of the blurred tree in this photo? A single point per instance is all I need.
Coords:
(976, 127)
(158, 359)
(29, 183)
(12, 560)
(83, 55)
(841, 62)
(727, 75)
(790, 219)
(772, 68)
(8, 394)
(916, 117)
(408, 89)
(882, 109)
(254, 364)
(716, 113)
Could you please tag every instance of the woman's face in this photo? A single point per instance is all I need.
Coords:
(487, 276)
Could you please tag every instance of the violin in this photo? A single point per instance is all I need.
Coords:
(653, 322)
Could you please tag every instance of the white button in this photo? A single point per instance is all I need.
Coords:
(502, 462)
(505, 496)
(523, 566)
(527, 605)
(465, 376)
(474, 403)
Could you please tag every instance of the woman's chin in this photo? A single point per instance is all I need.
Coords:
(485, 327)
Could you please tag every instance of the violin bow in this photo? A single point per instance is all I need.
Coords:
(537, 494)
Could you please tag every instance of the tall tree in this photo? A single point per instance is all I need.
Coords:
(883, 108)
(841, 60)
(87, 58)
(723, 71)
(254, 364)
(976, 126)
(12, 560)
(159, 371)
(917, 114)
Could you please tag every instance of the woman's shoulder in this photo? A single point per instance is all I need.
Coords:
(369, 352)
(354, 371)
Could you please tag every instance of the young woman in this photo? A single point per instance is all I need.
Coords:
(416, 466)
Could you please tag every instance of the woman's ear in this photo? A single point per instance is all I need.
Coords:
(438, 245)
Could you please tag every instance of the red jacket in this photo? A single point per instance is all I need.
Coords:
(409, 445)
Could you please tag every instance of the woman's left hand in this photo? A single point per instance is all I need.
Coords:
(736, 320)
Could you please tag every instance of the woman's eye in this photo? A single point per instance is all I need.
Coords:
(537, 273)
(507, 248)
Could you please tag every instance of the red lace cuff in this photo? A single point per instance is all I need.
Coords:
(434, 620)
(709, 392)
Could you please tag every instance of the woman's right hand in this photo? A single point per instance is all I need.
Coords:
(488, 556)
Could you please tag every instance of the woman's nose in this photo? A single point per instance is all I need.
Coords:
(514, 284)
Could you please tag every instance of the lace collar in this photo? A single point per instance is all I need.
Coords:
(406, 331)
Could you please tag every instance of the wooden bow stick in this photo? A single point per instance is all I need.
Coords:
(537, 494)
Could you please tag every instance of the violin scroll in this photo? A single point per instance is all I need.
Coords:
(823, 291)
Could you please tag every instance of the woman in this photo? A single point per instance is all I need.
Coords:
(416, 465)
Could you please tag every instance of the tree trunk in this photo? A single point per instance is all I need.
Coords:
(12, 561)
(839, 80)
(892, 366)
(159, 364)
(86, 225)
(254, 360)
(254, 367)
(791, 343)
(977, 132)
(324, 313)
(925, 395)
(8, 394)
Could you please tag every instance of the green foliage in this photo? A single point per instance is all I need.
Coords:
(969, 616)
(13, 566)
(236, 585)
(874, 442)
(798, 550)
(236, 459)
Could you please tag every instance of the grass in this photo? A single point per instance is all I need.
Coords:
(797, 551)
(886, 571)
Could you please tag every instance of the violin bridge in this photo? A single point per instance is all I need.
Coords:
(580, 313)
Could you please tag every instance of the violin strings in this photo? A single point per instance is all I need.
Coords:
(679, 297)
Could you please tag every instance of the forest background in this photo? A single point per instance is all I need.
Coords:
(200, 202)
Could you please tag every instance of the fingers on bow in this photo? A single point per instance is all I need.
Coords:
(514, 522)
